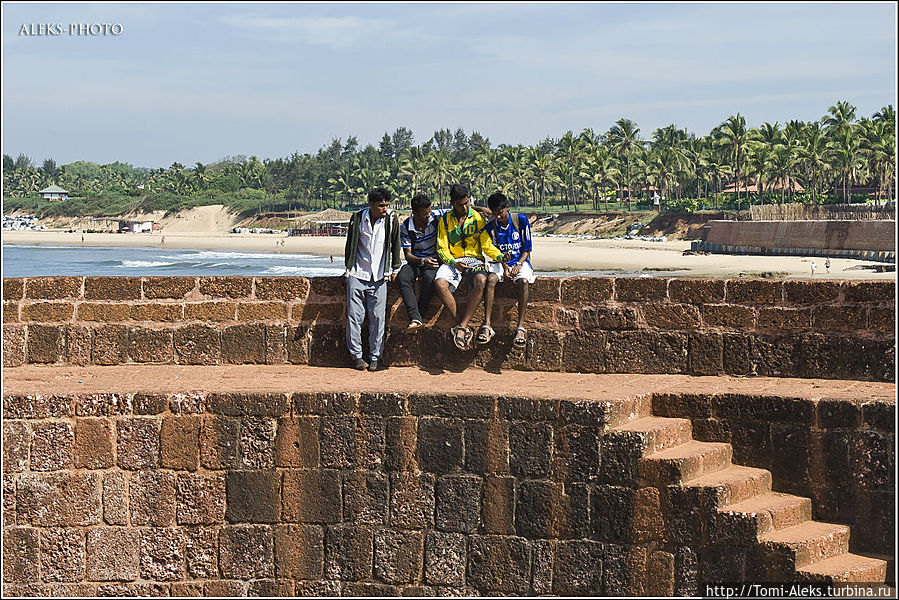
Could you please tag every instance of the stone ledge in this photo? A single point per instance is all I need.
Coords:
(162, 379)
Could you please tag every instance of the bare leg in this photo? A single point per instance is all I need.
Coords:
(474, 298)
(446, 296)
(522, 301)
(489, 291)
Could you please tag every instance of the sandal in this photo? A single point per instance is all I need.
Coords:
(520, 337)
(414, 326)
(461, 337)
(485, 334)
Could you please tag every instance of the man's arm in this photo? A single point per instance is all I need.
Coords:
(395, 244)
(487, 246)
(349, 239)
(443, 245)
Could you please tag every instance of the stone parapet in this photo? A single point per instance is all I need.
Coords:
(823, 328)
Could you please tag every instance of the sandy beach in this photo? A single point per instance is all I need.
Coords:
(550, 253)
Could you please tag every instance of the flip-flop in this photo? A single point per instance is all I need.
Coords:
(415, 325)
(461, 337)
(485, 334)
(521, 339)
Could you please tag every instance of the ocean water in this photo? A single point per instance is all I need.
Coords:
(42, 259)
(45, 259)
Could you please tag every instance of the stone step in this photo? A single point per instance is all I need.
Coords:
(685, 462)
(733, 484)
(773, 511)
(742, 523)
(845, 568)
(807, 543)
(657, 433)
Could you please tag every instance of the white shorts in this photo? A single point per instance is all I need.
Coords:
(526, 272)
(452, 275)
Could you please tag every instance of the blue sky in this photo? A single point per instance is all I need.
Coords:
(197, 82)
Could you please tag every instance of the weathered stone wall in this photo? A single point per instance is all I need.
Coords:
(370, 494)
(863, 239)
(826, 329)
(838, 452)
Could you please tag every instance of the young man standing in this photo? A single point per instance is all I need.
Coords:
(372, 257)
(511, 233)
(461, 245)
(418, 234)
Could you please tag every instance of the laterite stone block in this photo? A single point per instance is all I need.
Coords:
(168, 287)
(48, 312)
(52, 288)
(13, 289)
(754, 291)
(282, 288)
(226, 287)
(112, 288)
(578, 291)
(696, 291)
(110, 345)
(641, 289)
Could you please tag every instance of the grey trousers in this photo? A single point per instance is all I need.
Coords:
(365, 298)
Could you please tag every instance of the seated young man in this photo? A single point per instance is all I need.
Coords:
(461, 242)
(419, 241)
(511, 233)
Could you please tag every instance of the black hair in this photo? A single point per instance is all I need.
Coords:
(420, 201)
(378, 194)
(458, 191)
(497, 201)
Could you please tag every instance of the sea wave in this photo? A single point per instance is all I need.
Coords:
(303, 271)
(138, 264)
(212, 254)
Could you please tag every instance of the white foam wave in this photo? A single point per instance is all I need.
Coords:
(211, 254)
(303, 271)
(136, 264)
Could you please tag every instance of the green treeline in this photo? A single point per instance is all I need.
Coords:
(616, 169)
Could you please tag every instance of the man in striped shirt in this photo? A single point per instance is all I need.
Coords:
(418, 235)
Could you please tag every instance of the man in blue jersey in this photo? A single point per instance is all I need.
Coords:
(511, 233)
(418, 235)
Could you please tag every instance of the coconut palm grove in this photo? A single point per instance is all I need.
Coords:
(843, 157)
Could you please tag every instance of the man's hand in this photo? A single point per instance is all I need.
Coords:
(430, 262)
(516, 270)
(391, 277)
(461, 266)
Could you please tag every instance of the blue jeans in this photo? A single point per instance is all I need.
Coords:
(365, 298)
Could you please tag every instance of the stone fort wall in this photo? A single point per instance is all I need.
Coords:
(435, 494)
(819, 329)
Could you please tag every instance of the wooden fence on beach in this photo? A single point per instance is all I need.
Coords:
(825, 212)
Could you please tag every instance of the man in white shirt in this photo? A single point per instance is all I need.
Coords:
(372, 258)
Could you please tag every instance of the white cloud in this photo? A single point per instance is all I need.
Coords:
(334, 32)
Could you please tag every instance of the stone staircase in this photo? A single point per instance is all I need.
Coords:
(713, 502)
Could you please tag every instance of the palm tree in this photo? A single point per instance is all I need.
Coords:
(732, 134)
(624, 137)
(813, 156)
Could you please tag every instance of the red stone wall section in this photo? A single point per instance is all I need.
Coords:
(826, 329)
(380, 494)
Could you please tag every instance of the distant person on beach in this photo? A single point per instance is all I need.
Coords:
(511, 233)
(461, 244)
(827, 265)
(162, 241)
(332, 258)
(418, 234)
(814, 268)
(372, 258)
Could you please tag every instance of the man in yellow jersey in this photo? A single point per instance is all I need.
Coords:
(461, 245)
